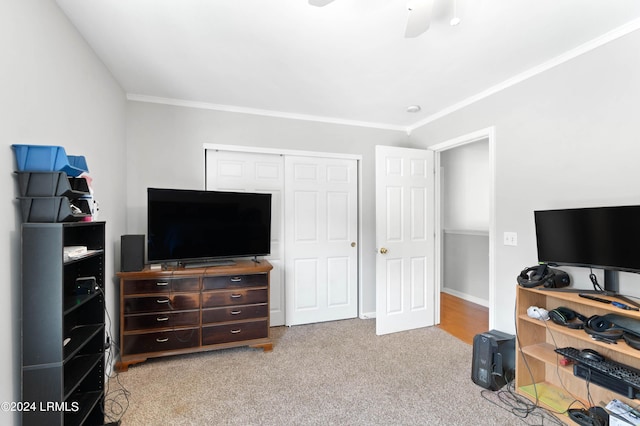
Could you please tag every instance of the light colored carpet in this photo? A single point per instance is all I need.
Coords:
(336, 373)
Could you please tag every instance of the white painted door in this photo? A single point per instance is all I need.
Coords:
(405, 285)
(321, 232)
(263, 173)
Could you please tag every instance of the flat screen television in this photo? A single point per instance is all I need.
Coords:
(198, 228)
(599, 237)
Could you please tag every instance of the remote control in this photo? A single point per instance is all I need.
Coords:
(623, 306)
(596, 298)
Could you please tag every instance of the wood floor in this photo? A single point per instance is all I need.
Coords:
(461, 318)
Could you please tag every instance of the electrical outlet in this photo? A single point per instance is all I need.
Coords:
(510, 238)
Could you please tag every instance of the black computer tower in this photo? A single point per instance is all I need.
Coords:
(493, 362)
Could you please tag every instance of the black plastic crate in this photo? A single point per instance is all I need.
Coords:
(53, 209)
(51, 184)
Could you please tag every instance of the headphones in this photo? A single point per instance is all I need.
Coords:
(602, 329)
(632, 340)
(599, 323)
(543, 275)
(565, 316)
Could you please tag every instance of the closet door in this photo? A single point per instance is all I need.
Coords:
(321, 258)
(263, 173)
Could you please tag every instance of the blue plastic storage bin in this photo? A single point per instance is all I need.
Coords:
(78, 161)
(46, 158)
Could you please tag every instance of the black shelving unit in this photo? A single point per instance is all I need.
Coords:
(63, 326)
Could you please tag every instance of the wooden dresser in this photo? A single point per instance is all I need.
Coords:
(177, 311)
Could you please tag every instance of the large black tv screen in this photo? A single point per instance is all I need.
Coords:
(190, 225)
(600, 237)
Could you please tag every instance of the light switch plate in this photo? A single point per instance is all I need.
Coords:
(510, 238)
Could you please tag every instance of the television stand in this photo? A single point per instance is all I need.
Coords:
(180, 311)
(539, 376)
(208, 263)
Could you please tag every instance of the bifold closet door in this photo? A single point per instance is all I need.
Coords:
(263, 173)
(321, 230)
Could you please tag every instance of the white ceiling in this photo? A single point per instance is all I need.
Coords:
(346, 62)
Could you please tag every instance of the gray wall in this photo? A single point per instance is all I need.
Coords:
(54, 91)
(565, 138)
(466, 266)
(165, 149)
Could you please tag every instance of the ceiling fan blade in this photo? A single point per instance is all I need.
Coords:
(419, 17)
(319, 3)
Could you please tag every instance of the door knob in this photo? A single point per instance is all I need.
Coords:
(353, 244)
(383, 250)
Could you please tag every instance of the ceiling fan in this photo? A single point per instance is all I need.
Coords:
(418, 20)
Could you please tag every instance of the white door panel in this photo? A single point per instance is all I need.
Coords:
(321, 231)
(263, 173)
(338, 293)
(405, 287)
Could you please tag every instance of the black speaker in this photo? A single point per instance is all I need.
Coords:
(131, 253)
(493, 357)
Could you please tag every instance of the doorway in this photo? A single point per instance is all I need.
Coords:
(465, 229)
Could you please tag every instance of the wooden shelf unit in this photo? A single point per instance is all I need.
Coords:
(537, 363)
(178, 311)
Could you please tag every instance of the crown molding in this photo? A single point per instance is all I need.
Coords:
(262, 112)
(532, 72)
(545, 66)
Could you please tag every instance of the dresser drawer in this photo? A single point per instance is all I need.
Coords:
(161, 341)
(235, 313)
(160, 285)
(161, 320)
(215, 299)
(161, 303)
(226, 333)
(235, 281)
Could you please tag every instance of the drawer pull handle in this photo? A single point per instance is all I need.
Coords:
(162, 284)
(166, 339)
(160, 319)
(236, 279)
(236, 296)
(162, 300)
(236, 312)
(236, 331)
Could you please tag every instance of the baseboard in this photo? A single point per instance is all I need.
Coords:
(463, 296)
(467, 297)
